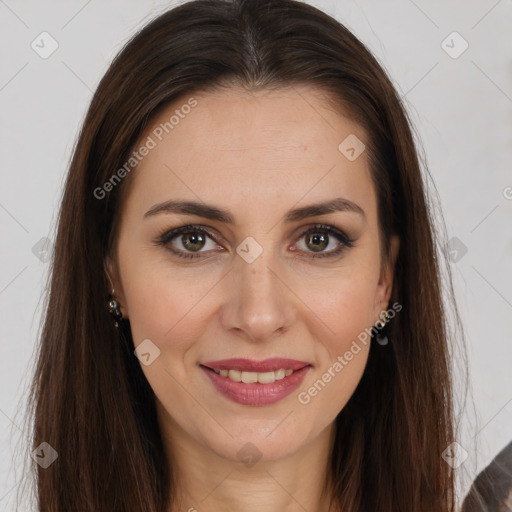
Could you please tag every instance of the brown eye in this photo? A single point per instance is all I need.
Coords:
(193, 241)
(320, 238)
(317, 242)
(188, 241)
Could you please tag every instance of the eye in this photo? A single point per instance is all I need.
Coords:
(189, 240)
(321, 237)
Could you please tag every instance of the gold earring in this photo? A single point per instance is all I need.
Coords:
(384, 316)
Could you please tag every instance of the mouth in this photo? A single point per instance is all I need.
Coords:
(250, 371)
(256, 382)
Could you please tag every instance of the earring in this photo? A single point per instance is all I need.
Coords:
(113, 306)
(380, 337)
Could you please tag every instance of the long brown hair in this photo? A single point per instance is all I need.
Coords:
(89, 398)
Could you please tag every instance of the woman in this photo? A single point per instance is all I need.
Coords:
(245, 309)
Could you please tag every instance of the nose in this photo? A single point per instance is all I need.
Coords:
(258, 302)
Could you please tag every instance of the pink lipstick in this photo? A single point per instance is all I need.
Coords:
(256, 383)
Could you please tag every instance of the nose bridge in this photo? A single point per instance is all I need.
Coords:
(259, 303)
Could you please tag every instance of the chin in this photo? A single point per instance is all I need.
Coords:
(249, 450)
(262, 440)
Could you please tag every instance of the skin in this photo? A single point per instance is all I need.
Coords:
(256, 154)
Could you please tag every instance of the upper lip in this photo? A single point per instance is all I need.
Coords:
(249, 365)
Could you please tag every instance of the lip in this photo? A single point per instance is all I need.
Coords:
(256, 394)
(248, 365)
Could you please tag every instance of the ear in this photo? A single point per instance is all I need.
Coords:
(385, 285)
(114, 280)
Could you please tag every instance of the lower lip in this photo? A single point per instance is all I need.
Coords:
(257, 393)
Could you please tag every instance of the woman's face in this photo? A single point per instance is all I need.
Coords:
(244, 282)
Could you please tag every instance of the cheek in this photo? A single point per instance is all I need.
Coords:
(345, 303)
(165, 304)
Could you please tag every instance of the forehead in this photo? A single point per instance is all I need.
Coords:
(233, 146)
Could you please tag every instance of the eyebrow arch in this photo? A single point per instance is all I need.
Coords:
(214, 213)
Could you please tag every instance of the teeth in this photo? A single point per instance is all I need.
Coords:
(281, 374)
(265, 377)
(249, 377)
(252, 377)
(235, 375)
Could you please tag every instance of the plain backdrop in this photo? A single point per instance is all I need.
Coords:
(458, 92)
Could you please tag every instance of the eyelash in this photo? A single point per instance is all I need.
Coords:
(165, 237)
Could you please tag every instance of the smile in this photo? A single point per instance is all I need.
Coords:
(256, 382)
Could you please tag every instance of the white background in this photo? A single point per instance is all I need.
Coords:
(461, 108)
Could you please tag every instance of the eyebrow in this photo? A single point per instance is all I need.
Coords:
(214, 213)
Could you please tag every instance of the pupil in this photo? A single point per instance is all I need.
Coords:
(195, 239)
(319, 239)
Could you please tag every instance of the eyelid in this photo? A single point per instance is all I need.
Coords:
(186, 228)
